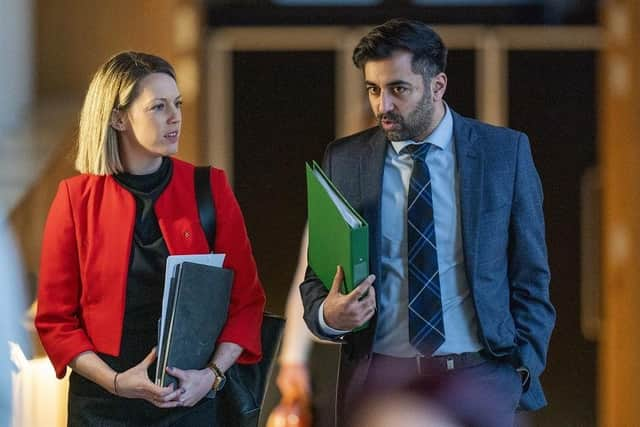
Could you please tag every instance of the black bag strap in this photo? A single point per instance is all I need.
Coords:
(206, 205)
(242, 398)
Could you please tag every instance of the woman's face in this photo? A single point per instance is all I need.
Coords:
(150, 127)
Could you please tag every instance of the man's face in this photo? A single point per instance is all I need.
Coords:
(403, 107)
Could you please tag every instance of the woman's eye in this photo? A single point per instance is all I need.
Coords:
(179, 104)
(158, 107)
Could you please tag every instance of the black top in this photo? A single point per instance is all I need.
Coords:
(145, 282)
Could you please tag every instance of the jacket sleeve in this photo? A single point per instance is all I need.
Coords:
(529, 274)
(59, 288)
(244, 320)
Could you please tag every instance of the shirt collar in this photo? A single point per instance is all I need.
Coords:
(441, 136)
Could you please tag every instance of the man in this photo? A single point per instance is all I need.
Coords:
(457, 248)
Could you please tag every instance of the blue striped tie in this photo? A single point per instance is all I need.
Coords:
(426, 325)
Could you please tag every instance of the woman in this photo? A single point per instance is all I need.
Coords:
(106, 241)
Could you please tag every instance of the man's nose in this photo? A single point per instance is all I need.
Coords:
(385, 103)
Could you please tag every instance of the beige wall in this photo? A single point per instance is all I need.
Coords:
(75, 37)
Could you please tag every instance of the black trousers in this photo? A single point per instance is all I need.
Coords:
(485, 395)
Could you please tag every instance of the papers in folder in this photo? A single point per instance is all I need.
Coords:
(338, 235)
(194, 311)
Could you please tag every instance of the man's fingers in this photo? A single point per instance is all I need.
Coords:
(337, 281)
(367, 317)
(365, 286)
(371, 312)
(370, 295)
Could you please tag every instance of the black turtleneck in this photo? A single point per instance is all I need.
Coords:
(146, 265)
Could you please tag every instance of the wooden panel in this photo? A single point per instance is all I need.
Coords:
(620, 151)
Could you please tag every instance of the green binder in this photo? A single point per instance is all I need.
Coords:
(338, 235)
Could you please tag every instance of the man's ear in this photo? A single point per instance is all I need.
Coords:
(439, 86)
(118, 120)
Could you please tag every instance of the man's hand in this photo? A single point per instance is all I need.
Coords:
(346, 312)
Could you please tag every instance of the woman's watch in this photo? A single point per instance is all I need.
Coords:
(219, 378)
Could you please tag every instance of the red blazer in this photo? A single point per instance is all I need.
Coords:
(85, 261)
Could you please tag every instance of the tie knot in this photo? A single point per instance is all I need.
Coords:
(417, 151)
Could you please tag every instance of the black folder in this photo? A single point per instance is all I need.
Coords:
(196, 312)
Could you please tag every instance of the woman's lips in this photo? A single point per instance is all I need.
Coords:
(172, 136)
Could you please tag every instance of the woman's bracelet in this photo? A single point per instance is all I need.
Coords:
(115, 383)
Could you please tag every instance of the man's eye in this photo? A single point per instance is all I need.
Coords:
(373, 90)
(399, 89)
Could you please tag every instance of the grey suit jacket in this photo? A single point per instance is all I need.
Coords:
(503, 243)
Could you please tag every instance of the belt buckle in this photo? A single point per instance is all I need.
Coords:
(450, 364)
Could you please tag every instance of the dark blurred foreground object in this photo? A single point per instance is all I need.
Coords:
(428, 401)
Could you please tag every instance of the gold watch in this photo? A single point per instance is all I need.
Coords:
(219, 380)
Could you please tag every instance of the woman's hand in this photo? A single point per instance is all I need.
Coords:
(194, 384)
(134, 383)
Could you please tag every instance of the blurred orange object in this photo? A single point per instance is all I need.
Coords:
(290, 414)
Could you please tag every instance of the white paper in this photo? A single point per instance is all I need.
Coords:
(352, 220)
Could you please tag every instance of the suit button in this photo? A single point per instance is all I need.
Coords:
(187, 235)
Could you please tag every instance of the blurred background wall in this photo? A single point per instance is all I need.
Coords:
(267, 84)
(16, 31)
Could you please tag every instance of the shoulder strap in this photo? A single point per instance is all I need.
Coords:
(206, 205)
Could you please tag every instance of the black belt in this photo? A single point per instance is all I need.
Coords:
(434, 365)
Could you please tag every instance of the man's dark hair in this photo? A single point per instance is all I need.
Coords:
(429, 52)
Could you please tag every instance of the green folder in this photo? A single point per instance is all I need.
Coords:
(338, 235)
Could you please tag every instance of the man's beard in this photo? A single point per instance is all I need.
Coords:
(414, 126)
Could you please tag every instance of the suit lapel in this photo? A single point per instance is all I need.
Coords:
(470, 170)
(371, 171)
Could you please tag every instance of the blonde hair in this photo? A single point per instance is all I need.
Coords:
(113, 87)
